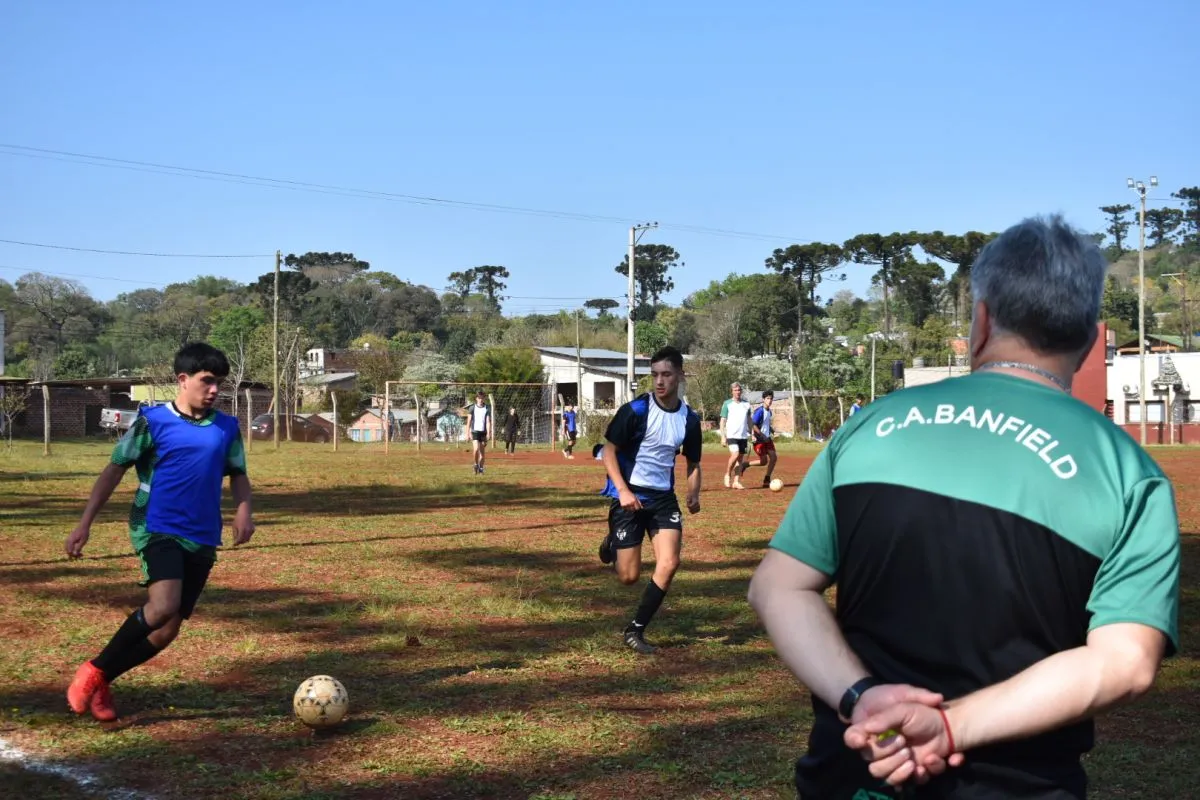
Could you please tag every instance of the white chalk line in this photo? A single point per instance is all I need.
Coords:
(76, 775)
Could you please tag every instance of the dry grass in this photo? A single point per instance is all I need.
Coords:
(474, 628)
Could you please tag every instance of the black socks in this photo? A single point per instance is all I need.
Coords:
(135, 656)
(131, 633)
(652, 598)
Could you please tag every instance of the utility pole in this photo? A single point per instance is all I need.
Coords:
(578, 366)
(1140, 188)
(275, 358)
(634, 235)
(873, 337)
(791, 354)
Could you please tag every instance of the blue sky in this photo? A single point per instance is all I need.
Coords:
(796, 120)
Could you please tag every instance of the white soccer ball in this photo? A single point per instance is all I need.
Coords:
(321, 702)
(776, 485)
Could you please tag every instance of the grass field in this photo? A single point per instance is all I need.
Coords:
(475, 629)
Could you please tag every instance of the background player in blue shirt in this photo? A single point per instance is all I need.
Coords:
(569, 430)
(182, 452)
(642, 441)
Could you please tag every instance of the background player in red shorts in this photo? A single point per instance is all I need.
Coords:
(764, 445)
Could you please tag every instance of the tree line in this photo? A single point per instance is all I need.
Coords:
(787, 312)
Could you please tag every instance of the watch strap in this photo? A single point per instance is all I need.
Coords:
(851, 697)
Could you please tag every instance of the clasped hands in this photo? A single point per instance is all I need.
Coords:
(903, 732)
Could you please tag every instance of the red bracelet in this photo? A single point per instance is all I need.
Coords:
(949, 735)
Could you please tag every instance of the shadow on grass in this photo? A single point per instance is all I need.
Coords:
(360, 501)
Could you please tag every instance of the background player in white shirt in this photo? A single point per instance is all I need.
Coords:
(735, 433)
(481, 430)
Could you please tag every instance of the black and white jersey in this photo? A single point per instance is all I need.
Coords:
(648, 437)
(479, 418)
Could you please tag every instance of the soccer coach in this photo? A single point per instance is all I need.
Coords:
(993, 540)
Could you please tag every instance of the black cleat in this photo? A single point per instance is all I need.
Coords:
(634, 641)
(607, 555)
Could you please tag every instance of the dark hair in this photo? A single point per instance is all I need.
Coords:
(768, 393)
(859, 397)
(671, 354)
(201, 357)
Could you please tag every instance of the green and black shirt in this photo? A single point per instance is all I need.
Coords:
(976, 526)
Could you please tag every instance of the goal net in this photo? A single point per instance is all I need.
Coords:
(424, 413)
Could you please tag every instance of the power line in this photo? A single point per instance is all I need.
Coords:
(283, 183)
(80, 275)
(134, 253)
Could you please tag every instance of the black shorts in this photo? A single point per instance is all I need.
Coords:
(571, 435)
(659, 510)
(165, 559)
(479, 436)
(739, 443)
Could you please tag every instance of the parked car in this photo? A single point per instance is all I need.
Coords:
(262, 427)
(118, 420)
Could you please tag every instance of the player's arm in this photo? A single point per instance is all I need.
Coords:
(137, 443)
(239, 487)
(620, 432)
(693, 448)
(1134, 606)
(105, 485)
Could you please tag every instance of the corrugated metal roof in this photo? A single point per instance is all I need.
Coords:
(328, 377)
(586, 353)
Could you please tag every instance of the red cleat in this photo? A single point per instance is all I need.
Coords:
(88, 680)
(102, 704)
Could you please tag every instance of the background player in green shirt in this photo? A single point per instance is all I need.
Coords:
(182, 452)
(993, 540)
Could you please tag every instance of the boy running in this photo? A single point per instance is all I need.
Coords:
(182, 452)
(764, 444)
(639, 455)
(735, 432)
(481, 429)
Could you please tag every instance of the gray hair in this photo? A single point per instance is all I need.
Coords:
(1043, 281)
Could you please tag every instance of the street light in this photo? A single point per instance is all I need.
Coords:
(1140, 188)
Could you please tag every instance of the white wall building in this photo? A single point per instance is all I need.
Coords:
(604, 373)
(1178, 371)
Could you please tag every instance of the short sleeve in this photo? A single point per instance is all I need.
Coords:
(808, 531)
(757, 417)
(693, 440)
(136, 444)
(235, 456)
(623, 426)
(1138, 581)
(725, 408)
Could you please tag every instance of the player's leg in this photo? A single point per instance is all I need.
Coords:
(475, 451)
(772, 459)
(163, 569)
(666, 537)
(734, 455)
(623, 532)
(482, 451)
(739, 464)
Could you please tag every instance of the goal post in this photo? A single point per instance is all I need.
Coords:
(427, 412)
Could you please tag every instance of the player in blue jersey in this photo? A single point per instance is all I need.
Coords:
(639, 454)
(182, 452)
(763, 433)
(569, 431)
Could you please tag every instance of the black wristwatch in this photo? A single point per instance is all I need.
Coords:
(851, 697)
